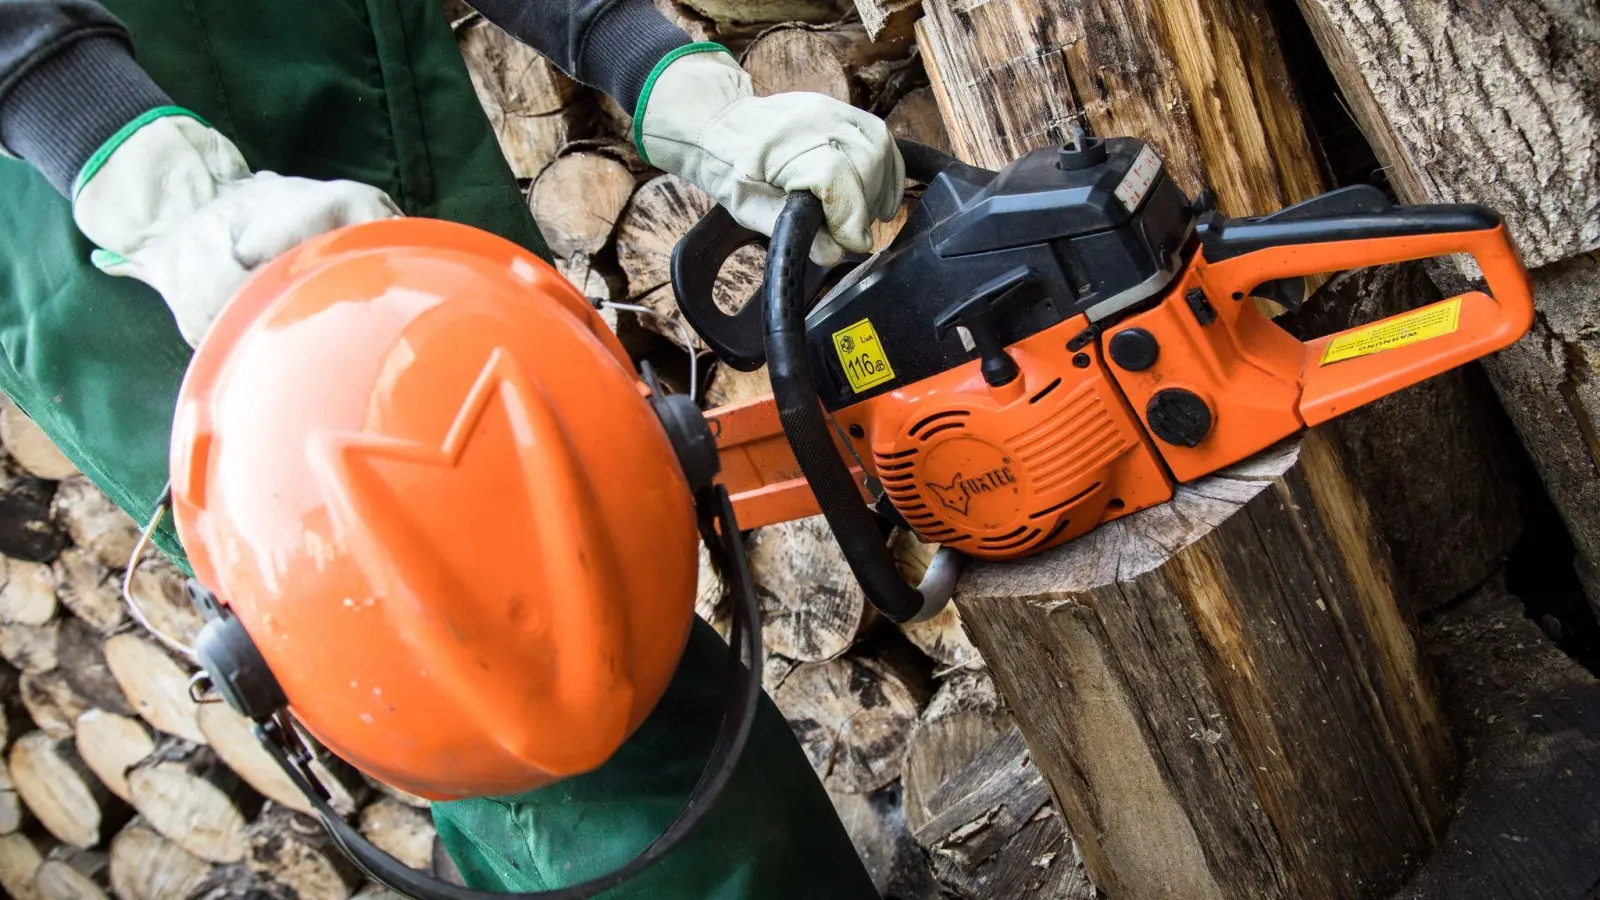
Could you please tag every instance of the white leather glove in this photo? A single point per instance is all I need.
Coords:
(702, 121)
(171, 202)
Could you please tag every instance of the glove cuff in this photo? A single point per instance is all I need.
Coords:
(156, 171)
(685, 90)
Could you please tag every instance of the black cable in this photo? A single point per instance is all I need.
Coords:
(744, 692)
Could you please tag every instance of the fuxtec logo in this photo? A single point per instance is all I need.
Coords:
(958, 494)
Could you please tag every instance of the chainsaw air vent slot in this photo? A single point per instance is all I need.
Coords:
(1002, 544)
(1047, 389)
(901, 455)
(940, 429)
(1067, 502)
(947, 414)
(896, 467)
(1005, 537)
(1056, 531)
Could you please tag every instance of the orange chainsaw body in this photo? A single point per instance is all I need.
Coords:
(1002, 472)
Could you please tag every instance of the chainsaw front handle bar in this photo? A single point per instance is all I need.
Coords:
(1244, 253)
(794, 391)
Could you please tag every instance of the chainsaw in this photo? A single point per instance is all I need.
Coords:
(1055, 345)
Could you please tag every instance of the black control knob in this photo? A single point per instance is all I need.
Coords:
(1081, 151)
(1134, 349)
(1178, 417)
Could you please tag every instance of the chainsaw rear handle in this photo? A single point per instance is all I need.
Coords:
(1244, 253)
(794, 391)
(737, 338)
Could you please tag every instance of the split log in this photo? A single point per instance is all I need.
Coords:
(534, 108)
(188, 795)
(1222, 691)
(230, 736)
(239, 883)
(81, 658)
(661, 211)
(916, 117)
(72, 874)
(812, 608)
(155, 685)
(28, 528)
(941, 638)
(110, 745)
(963, 717)
(1202, 82)
(29, 594)
(836, 61)
(30, 447)
(888, 18)
(765, 10)
(61, 792)
(402, 832)
(95, 523)
(89, 589)
(296, 851)
(1438, 462)
(578, 199)
(871, 822)
(146, 866)
(52, 703)
(20, 860)
(993, 833)
(12, 813)
(159, 588)
(853, 717)
(30, 648)
(1499, 104)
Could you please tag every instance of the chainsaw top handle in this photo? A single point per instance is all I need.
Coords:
(737, 338)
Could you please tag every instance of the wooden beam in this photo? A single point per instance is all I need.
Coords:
(1222, 693)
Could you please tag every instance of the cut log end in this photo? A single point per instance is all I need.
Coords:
(146, 866)
(853, 718)
(89, 589)
(20, 860)
(812, 608)
(110, 745)
(156, 686)
(95, 523)
(296, 851)
(29, 594)
(401, 831)
(30, 446)
(62, 793)
(72, 874)
(963, 717)
(577, 201)
(187, 794)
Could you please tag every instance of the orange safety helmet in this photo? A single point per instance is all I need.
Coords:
(421, 472)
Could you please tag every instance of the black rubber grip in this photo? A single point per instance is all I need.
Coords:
(1227, 238)
(800, 410)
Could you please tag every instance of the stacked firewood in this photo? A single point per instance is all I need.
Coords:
(113, 781)
(904, 728)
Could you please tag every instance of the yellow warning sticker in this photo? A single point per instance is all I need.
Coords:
(861, 354)
(1433, 321)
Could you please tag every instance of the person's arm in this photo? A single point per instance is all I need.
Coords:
(68, 82)
(612, 45)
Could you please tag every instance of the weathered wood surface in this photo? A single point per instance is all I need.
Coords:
(402, 831)
(963, 717)
(1200, 80)
(110, 745)
(839, 61)
(532, 106)
(27, 444)
(1492, 103)
(853, 717)
(1223, 692)
(28, 596)
(296, 851)
(1526, 826)
(812, 609)
(186, 793)
(62, 793)
(1438, 462)
(156, 687)
(20, 860)
(72, 874)
(147, 866)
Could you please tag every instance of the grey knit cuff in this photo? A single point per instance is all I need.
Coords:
(70, 104)
(623, 47)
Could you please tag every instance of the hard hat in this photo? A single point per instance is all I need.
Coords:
(421, 472)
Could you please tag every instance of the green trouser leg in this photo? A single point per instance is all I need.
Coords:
(375, 91)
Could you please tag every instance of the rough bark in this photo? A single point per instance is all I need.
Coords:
(1202, 81)
(62, 793)
(110, 745)
(188, 795)
(29, 594)
(401, 831)
(52, 703)
(89, 589)
(296, 851)
(29, 447)
(72, 874)
(533, 107)
(853, 717)
(81, 657)
(156, 687)
(1223, 691)
(147, 866)
(1492, 103)
(812, 609)
(876, 824)
(236, 882)
(992, 832)
(963, 717)
(839, 61)
(659, 214)
(888, 18)
(916, 117)
(95, 523)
